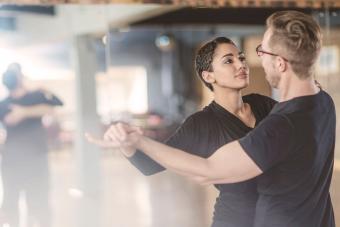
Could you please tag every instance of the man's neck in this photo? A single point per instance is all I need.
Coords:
(294, 87)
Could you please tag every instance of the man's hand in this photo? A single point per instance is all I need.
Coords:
(101, 142)
(119, 136)
(17, 114)
(125, 134)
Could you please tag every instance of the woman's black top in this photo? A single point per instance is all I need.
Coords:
(201, 134)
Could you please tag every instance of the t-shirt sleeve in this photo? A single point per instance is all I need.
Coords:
(46, 97)
(181, 139)
(270, 142)
(185, 136)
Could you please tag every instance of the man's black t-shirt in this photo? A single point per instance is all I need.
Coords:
(201, 134)
(28, 136)
(294, 147)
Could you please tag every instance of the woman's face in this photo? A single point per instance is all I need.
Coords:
(229, 68)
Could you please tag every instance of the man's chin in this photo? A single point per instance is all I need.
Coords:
(274, 85)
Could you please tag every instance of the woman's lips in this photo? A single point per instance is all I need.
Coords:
(242, 75)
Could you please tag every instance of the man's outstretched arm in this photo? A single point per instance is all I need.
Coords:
(229, 164)
(269, 144)
(19, 113)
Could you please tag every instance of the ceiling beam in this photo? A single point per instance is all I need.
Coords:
(316, 4)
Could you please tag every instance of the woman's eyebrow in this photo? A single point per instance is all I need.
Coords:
(227, 55)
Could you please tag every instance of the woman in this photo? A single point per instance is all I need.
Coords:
(230, 116)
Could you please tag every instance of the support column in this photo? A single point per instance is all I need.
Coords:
(87, 156)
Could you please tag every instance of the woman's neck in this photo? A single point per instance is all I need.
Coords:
(230, 100)
(233, 103)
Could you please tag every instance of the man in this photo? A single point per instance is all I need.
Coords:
(24, 157)
(292, 150)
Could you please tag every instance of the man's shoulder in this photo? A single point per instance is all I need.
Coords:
(276, 120)
(327, 97)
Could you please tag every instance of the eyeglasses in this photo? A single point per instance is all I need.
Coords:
(260, 52)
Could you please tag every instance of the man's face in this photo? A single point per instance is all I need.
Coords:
(268, 62)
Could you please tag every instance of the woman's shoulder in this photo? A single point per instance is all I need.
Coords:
(261, 105)
(199, 118)
(256, 97)
(196, 117)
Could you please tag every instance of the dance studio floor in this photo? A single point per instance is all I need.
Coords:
(129, 199)
(126, 198)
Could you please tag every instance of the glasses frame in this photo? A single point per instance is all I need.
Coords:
(260, 52)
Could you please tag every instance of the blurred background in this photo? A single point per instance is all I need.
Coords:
(135, 62)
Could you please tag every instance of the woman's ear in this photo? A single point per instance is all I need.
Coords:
(208, 77)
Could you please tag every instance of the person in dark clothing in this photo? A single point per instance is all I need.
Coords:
(223, 69)
(201, 134)
(24, 164)
(291, 150)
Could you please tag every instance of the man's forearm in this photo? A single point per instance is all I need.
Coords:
(174, 159)
(38, 110)
(229, 164)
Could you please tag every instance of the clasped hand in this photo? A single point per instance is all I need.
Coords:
(119, 135)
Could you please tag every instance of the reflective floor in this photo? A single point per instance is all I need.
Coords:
(126, 198)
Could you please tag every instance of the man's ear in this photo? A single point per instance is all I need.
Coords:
(281, 64)
(208, 77)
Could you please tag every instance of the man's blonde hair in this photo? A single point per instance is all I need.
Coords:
(297, 37)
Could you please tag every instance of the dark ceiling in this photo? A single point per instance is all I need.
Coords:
(39, 9)
(199, 16)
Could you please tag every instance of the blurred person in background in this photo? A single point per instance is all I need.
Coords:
(24, 164)
(223, 69)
